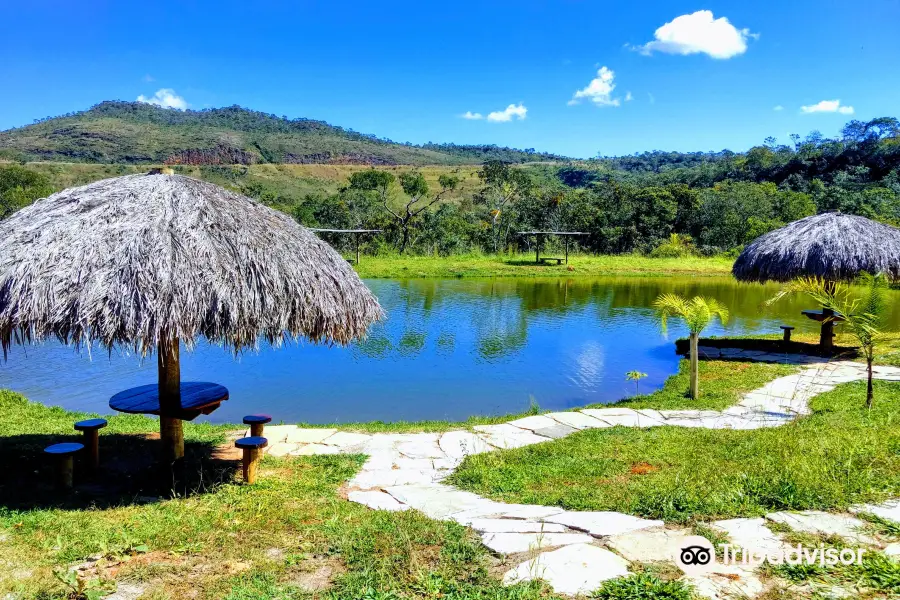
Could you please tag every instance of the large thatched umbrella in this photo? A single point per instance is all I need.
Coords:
(146, 261)
(831, 246)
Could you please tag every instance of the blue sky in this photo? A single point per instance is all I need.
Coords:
(409, 71)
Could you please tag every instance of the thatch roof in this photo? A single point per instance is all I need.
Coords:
(132, 260)
(831, 245)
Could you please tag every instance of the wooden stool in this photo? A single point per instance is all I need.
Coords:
(257, 423)
(65, 466)
(91, 429)
(787, 332)
(252, 447)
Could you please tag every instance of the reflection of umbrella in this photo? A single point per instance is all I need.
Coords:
(148, 260)
(831, 246)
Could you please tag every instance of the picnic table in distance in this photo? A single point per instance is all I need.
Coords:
(356, 233)
(539, 241)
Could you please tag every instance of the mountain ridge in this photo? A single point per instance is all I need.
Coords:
(137, 133)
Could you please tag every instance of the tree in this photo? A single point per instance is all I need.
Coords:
(19, 187)
(503, 186)
(697, 313)
(636, 377)
(416, 190)
(864, 316)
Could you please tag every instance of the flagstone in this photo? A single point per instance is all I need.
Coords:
(577, 420)
(889, 510)
(555, 431)
(602, 523)
(439, 501)
(514, 526)
(391, 477)
(460, 444)
(814, 521)
(513, 543)
(533, 422)
(314, 449)
(376, 500)
(279, 449)
(345, 439)
(508, 436)
(751, 534)
(650, 545)
(578, 569)
(305, 436)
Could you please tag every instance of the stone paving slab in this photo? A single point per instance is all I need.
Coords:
(889, 510)
(602, 523)
(459, 444)
(439, 501)
(578, 569)
(577, 420)
(376, 500)
(533, 422)
(555, 432)
(306, 436)
(513, 543)
(623, 417)
(508, 436)
(514, 526)
(344, 439)
(751, 534)
(368, 480)
(729, 582)
(315, 449)
(814, 521)
(279, 449)
(649, 545)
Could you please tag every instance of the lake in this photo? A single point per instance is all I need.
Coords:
(449, 349)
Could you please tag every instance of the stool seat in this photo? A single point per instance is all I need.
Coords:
(64, 449)
(257, 419)
(251, 443)
(787, 327)
(90, 424)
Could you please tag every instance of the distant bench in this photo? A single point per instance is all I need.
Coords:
(559, 261)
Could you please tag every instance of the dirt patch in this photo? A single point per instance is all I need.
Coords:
(642, 468)
(316, 574)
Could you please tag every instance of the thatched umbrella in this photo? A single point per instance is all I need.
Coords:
(146, 261)
(831, 246)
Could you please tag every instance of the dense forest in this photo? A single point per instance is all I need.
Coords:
(659, 203)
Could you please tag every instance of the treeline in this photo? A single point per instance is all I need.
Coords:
(712, 203)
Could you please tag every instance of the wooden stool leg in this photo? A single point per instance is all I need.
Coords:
(92, 444)
(251, 462)
(256, 429)
(787, 335)
(66, 471)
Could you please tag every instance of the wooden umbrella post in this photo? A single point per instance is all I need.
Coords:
(170, 428)
(826, 335)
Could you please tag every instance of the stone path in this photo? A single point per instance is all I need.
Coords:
(575, 551)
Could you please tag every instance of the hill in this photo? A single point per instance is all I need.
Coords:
(138, 133)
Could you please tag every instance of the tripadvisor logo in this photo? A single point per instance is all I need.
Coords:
(695, 555)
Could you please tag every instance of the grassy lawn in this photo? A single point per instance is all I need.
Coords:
(285, 537)
(839, 455)
(408, 267)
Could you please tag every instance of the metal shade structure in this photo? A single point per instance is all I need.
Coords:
(154, 260)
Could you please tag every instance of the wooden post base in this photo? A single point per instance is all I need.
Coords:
(92, 444)
(171, 432)
(256, 429)
(251, 464)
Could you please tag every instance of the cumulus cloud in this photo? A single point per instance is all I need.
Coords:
(599, 90)
(165, 97)
(827, 106)
(512, 112)
(476, 116)
(699, 33)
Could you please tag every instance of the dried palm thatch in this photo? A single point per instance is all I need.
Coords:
(136, 260)
(830, 246)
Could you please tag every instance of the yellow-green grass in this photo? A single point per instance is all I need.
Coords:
(523, 265)
(839, 455)
(223, 539)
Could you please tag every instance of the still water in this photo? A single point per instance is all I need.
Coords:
(449, 349)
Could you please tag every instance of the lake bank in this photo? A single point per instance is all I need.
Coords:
(523, 265)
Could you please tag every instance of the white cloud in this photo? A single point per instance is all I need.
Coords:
(149, 78)
(628, 97)
(472, 116)
(512, 111)
(165, 97)
(599, 90)
(778, 108)
(699, 33)
(827, 106)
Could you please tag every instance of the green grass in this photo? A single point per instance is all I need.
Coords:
(522, 265)
(721, 385)
(643, 586)
(840, 455)
(224, 539)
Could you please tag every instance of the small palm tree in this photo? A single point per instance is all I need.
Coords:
(635, 376)
(697, 313)
(863, 316)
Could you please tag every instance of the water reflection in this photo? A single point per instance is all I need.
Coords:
(449, 349)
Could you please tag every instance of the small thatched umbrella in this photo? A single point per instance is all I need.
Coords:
(831, 246)
(144, 261)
